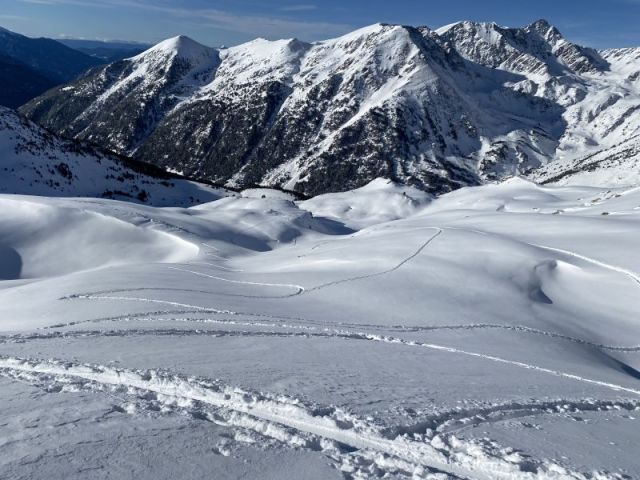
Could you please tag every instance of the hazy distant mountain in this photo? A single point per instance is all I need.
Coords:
(47, 57)
(457, 106)
(29, 67)
(19, 83)
(106, 51)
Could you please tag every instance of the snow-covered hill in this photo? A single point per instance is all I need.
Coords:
(440, 109)
(488, 334)
(34, 161)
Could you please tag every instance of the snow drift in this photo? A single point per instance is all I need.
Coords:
(39, 240)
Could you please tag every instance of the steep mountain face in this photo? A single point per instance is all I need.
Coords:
(34, 161)
(120, 105)
(440, 109)
(48, 58)
(323, 117)
(536, 49)
(19, 83)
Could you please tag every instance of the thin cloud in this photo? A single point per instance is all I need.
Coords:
(299, 8)
(250, 25)
(82, 3)
(14, 17)
(272, 27)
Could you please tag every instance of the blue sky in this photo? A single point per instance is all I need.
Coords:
(599, 23)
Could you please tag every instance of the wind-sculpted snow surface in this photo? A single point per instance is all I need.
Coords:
(490, 333)
(52, 241)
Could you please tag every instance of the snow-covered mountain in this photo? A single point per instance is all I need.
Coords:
(34, 161)
(438, 109)
(615, 166)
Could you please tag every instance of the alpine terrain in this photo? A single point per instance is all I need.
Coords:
(34, 161)
(438, 109)
(410, 254)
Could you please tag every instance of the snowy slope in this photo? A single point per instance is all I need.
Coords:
(462, 105)
(490, 333)
(34, 161)
(616, 166)
(380, 201)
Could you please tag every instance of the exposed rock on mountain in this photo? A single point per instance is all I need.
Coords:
(34, 161)
(461, 105)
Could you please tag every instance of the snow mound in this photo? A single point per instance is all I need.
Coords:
(380, 201)
(39, 240)
(260, 220)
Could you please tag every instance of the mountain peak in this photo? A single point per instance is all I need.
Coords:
(541, 25)
(180, 46)
(545, 29)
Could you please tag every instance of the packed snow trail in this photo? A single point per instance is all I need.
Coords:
(436, 455)
(384, 272)
(299, 289)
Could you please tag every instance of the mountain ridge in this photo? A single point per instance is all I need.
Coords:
(470, 103)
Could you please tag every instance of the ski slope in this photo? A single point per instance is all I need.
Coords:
(491, 333)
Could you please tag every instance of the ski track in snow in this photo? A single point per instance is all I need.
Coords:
(384, 272)
(632, 275)
(392, 328)
(400, 341)
(302, 290)
(170, 289)
(299, 289)
(297, 425)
